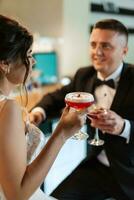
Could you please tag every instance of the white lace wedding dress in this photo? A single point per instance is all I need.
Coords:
(35, 142)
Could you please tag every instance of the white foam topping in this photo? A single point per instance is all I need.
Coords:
(79, 97)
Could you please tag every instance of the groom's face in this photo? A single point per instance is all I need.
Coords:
(107, 50)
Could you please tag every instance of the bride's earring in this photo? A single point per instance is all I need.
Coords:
(4, 67)
(8, 70)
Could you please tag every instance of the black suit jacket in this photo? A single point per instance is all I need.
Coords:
(119, 153)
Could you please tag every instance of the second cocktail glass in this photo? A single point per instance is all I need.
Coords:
(79, 101)
(96, 141)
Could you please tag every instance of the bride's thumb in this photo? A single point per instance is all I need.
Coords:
(66, 110)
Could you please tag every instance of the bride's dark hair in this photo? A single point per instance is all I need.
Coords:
(15, 40)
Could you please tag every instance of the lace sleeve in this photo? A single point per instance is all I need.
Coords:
(35, 141)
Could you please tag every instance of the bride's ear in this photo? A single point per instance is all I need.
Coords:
(4, 67)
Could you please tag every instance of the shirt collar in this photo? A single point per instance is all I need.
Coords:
(115, 75)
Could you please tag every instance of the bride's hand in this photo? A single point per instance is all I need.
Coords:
(70, 122)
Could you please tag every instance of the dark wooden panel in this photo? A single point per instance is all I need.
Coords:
(110, 8)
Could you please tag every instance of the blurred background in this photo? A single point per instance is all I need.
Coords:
(63, 27)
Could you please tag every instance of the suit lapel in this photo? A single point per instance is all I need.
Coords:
(89, 87)
(122, 89)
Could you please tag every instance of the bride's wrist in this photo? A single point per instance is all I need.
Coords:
(60, 132)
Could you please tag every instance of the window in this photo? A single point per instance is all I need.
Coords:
(46, 64)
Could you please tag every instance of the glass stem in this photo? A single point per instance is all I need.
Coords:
(96, 134)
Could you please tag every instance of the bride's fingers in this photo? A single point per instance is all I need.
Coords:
(65, 110)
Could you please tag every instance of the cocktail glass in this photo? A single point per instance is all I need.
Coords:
(96, 141)
(79, 101)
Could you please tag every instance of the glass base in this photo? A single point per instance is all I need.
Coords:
(96, 142)
(80, 136)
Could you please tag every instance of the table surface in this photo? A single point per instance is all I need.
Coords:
(35, 95)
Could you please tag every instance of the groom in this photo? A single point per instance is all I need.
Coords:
(109, 169)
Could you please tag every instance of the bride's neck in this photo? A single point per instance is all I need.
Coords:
(5, 87)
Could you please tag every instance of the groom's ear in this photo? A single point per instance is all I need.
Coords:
(125, 50)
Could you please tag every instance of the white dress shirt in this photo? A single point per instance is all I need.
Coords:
(104, 96)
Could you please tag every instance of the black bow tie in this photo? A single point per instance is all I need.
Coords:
(109, 82)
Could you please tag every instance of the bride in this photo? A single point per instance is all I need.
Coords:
(21, 172)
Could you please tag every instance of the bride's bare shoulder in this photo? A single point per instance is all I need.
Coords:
(10, 109)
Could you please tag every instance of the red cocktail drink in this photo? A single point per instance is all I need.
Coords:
(79, 100)
(79, 106)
